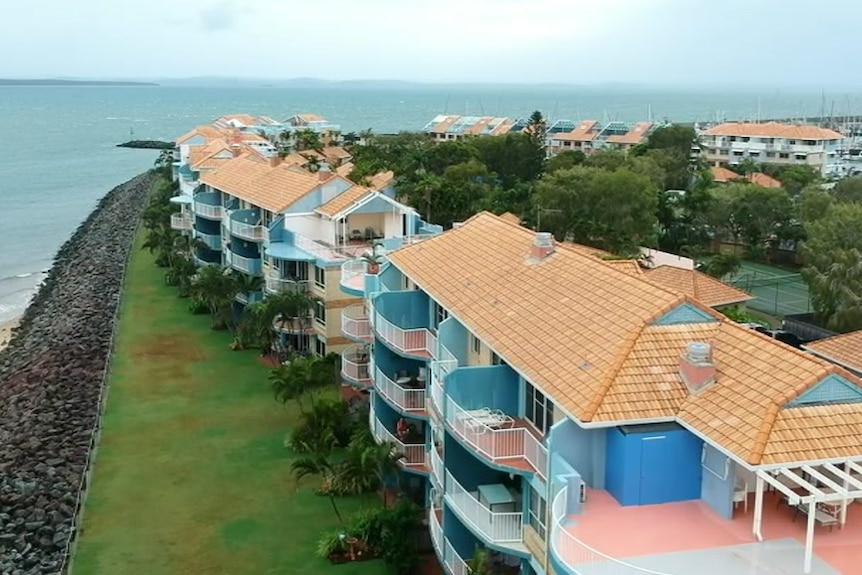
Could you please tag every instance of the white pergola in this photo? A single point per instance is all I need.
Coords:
(831, 482)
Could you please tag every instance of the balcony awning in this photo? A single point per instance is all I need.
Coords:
(182, 199)
(284, 251)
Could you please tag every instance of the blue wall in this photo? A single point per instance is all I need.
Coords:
(492, 386)
(718, 481)
(391, 277)
(649, 464)
(252, 216)
(564, 475)
(405, 309)
(461, 538)
(210, 198)
(244, 248)
(583, 449)
(375, 206)
(209, 227)
(455, 337)
(391, 363)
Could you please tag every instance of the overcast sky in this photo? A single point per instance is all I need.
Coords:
(764, 42)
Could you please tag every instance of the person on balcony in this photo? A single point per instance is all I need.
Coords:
(402, 429)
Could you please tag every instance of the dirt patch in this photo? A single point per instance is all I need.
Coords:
(169, 346)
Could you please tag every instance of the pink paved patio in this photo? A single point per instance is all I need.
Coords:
(632, 531)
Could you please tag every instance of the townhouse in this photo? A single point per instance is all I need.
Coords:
(590, 136)
(580, 416)
(775, 143)
(453, 127)
(269, 215)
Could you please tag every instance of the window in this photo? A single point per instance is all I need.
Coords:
(320, 347)
(496, 360)
(320, 312)
(320, 277)
(783, 156)
(405, 283)
(475, 343)
(440, 314)
(538, 512)
(539, 409)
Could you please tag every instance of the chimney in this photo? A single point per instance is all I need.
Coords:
(696, 367)
(543, 246)
(275, 160)
(456, 225)
(324, 173)
(235, 150)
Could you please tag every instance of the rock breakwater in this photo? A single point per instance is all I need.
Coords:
(51, 378)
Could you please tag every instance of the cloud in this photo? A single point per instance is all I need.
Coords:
(222, 16)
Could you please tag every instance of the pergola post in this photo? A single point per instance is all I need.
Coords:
(758, 506)
(845, 502)
(809, 537)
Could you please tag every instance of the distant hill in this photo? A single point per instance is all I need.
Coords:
(53, 82)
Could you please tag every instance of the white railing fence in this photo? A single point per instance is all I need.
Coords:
(356, 367)
(209, 211)
(405, 399)
(414, 340)
(579, 556)
(436, 465)
(249, 231)
(354, 322)
(434, 527)
(351, 270)
(453, 561)
(181, 221)
(497, 527)
(536, 453)
(276, 284)
(414, 454)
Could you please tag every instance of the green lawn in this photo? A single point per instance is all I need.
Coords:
(192, 476)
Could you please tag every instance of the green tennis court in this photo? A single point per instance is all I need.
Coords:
(777, 291)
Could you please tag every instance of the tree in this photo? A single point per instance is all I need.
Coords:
(537, 129)
(849, 190)
(513, 158)
(216, 288)
(611, 210)
(293, 309)
(607, 160)
(299, 377)
(306, 139)
(813, 203)
(833, 256)
(723, 265)
(792, 178)
(565, 160)
(746, 166)
(680, 139)
(318, 463)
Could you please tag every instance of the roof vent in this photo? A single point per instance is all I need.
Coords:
(543, 246)
(456, 225)
(696, 367)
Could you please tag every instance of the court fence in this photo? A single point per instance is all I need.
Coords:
(777, 295)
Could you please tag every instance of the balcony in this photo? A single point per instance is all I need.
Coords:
(417, 342)
(353, 276)
(211, 241)
(243, 224)
(440, 368)
(294, 325)
(414, 453)
(399, 393)
(498, 438)
(356, 366)
(182, 222)
(207, 210)
(246, 265)
(496, 528)
(275, 284)
(354, 323)
(437, 469)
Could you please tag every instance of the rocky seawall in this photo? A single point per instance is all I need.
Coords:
(51, 380)
(148, 145)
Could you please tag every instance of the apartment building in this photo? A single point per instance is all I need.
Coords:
(269, 216)
(590, 136)
(772, 143)
(576, 416)
(453, 127)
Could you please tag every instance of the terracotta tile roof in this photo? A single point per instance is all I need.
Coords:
(628, 266)
(763, 180)
(344, 169)
(581, 329)
(845, 349)
(381, 180)
(335, 154)
(585, 250)
(503, 128)
(636, 135)
(198, 154)
(512, 218)
(244, 119)
(208, 133)
(442, 126)
(343, 201)
(259, 183)
(773, 130)
(584, 132)
(294, 159)
(723, 175)
(697, 285)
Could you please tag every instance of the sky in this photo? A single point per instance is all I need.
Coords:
(689, 42)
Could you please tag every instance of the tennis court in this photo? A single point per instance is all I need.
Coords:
(777, 291)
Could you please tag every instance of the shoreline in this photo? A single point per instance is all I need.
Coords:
(6, 328)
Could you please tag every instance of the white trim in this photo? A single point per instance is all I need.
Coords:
(838, 362)
(368, 198)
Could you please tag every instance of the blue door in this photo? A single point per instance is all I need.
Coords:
(657, 469)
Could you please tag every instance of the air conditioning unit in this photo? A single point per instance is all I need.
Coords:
(582, 492)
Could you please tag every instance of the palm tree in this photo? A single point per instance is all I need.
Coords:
(836, 289)
(318, 463)
(294, 309)
(308, 140)
(366, 136)
(247, 284)
(313, 164)
(300, 376)
(216, 288)
(165, 159)
(723, 265)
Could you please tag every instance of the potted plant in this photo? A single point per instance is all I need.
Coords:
(373, 259)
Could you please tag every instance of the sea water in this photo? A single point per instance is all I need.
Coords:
(58, 151)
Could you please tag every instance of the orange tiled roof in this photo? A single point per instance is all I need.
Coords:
(773, 130)
(446, 123)
(208, 133)
(636, 135)
(512, 218)
(335, 153)
(381, 180)
(697, 285)
(294, 159)
(584, 132)
(582, 330)
(272, 188)
(628, 266)
(343, 200)
(345, 169)
(761, 179)
(844, 349)
(722, 175)
(245, 119)
(198, 154)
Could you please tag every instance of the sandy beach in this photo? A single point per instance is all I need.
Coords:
(6, 332)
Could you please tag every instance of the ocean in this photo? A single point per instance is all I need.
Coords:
(58, 151)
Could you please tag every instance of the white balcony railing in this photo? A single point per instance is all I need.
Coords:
(440, 368)
(419, 341)
(246, 231)
(246, 265)
(402, 398)
(209, 211)
(355, 367)
(496, 444)
(353, 274)
(354, 322)
(453, 562)
(212, 241)
(181, 222)
(276, 284)
(414, 454)
(499, 528)
(579, 556)
(435, 528)
(437, 465)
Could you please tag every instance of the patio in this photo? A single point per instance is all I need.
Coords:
(631, 532)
